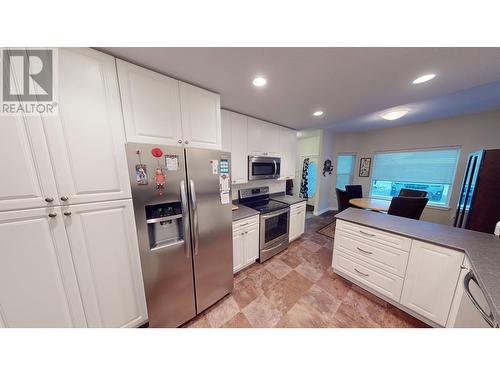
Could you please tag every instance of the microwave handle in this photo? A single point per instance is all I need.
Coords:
(487, 317)
(275, 168)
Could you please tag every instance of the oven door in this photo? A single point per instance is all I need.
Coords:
(261, 167)
(274, 228)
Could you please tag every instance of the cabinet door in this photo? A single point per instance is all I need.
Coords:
(431, 279)
(292, 231)
(251, 244)
(239, 154)
(200, 110)
(27, 178)
(151, 105)
(226, 128)
(238, 250)
(38, 286)
(104, 246)
(86, 140)
(287, 151)
(301, 221)
(263, 138)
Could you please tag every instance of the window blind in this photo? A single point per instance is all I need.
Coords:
(430, 166)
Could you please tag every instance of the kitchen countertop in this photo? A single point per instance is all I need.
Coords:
(482, 249)
(288, 199)
(243, 212)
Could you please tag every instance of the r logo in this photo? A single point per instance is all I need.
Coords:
(28, 75)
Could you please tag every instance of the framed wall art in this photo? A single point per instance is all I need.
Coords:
(364, 167)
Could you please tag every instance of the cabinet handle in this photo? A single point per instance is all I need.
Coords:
(49, 200)
(179, 141)
(64, 198)
(367, 234)
(364, 251)
(53, 214)
(67, 213)
(186, 142)
(361, 273)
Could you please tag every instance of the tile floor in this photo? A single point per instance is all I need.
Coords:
(298, 289)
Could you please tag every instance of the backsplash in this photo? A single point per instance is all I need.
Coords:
(275, 186)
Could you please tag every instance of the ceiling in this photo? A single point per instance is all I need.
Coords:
(351, 85)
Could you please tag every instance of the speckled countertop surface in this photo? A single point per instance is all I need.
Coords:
(482, 249)
(243, 212)
(289, 199)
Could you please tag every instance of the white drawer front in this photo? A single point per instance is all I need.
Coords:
(298, 206)
(244, 223)
(375, 235)
(386, 257)
(375, 278)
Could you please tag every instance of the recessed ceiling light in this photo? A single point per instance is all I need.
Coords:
(424, 78)
(259, 81)
(318, 113)
(394, 115)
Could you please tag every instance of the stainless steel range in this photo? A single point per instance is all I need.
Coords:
(274, 220)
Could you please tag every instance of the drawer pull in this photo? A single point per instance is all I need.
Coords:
(367, 234)
(364, 251)
(361, 273)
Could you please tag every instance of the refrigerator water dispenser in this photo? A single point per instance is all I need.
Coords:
(164, 225)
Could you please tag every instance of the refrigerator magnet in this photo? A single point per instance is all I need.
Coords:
(160, 180)
(172, 162)
(141, 174)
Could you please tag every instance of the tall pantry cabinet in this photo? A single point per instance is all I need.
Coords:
(69, 255)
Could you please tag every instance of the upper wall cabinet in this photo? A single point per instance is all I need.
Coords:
(288, 147)
(151, 105)
(263, 138)
(86, 140)
(234, 140)
(161, 110)
(200, 109)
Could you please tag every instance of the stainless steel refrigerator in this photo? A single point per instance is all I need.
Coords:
(182, 204)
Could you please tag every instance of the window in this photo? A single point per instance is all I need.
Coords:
(429, 170)
(345, 170)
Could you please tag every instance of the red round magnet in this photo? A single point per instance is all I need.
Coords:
(156, 152)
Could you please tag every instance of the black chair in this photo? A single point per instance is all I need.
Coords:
(342, 199)
(412, 193)
(354, 191)
(410, 207)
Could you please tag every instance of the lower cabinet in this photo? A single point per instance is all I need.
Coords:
(72, 267)
(414, 275)
(38, 285)
(245, 243)
(297, 220)
(431, 279)
(103, 243)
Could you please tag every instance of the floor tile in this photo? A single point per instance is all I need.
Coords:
(245, 292)
(238, 321)
(222, 312)
(278, 268)
(309, 271)
(261, 313)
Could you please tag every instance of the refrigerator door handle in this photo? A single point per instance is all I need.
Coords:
(185, 218)
(487, 317)
(195, 217)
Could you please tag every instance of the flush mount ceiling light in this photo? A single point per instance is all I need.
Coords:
(424, 78)
(259, 81)
(395, 114)
(318, 113)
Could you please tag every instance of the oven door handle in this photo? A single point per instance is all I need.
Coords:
(487, 317)
(275, 213)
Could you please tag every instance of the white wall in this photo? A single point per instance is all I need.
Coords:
(308, 144)
(326, 182)
(470, 132)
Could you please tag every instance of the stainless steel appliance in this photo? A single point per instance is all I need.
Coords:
(274, 220)
(478, 206)
(263, 167)
(183, 216)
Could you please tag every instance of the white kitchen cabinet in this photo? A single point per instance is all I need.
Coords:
(288, 151)
(263, 138)
(151, 105)
(86, 140)
(234, 140)
(103, 244)
(27, 178)
(38, 285)
(297, 220)
(200, 110)
(245, 242)
(431, 279)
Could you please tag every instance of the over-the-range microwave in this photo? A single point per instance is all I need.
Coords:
(263, 167)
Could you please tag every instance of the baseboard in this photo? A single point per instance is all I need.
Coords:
(320, 212)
